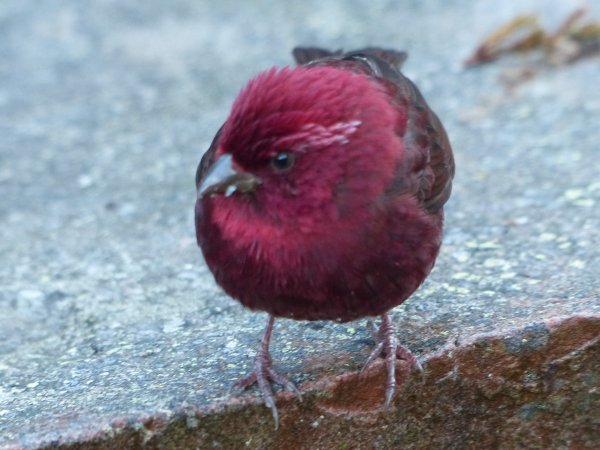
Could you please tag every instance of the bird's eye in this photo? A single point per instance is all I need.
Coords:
(282, 161)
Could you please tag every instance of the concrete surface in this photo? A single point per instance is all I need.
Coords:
(112, 332)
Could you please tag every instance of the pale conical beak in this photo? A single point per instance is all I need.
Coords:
(222, 178)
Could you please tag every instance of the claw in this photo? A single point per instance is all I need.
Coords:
(263, 374)
(287, 384)
(245, 382)
(417, 365)
(373, 356)
(388, 346)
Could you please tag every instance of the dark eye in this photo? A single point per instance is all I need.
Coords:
(282, 161)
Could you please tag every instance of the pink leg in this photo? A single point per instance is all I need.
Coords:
(262, 373)
(387, 345)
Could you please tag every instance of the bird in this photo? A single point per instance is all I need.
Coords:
(321, 197)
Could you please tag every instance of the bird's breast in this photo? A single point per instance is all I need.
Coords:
(344, 274)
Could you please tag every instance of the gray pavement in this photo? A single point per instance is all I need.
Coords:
(106, 308)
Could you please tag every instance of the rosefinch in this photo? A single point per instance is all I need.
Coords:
(321, 197)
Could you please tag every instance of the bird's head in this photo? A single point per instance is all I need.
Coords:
(304, 147)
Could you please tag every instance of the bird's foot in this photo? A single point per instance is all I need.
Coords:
(263, 374)
(387, 345)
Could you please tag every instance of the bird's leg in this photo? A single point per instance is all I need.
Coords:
(262, 373)
(386, 344)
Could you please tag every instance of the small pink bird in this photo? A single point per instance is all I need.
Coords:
(321, 197)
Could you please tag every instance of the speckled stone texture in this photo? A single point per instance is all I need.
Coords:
(112, 332)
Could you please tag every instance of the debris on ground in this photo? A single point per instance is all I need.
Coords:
(572, 40)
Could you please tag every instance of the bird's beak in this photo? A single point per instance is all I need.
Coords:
(222, 178)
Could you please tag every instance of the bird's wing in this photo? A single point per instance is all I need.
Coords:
(429, 167)
(427, 142)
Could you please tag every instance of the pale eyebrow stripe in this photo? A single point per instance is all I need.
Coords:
(316, 135)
